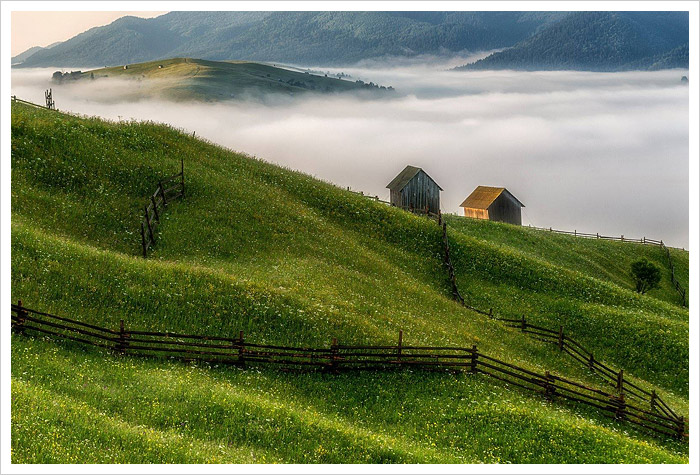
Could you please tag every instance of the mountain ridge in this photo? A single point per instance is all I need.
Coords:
(293, 37)
(599, 41)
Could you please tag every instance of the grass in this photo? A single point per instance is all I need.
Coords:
(125, 410)
(292, 260)
(199, 79)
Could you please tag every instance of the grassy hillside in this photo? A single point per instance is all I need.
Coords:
(290, 259)
(188, 79)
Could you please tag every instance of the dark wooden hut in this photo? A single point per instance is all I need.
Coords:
(495, 204)
(414, 189)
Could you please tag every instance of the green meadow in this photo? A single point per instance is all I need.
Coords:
(181, 79)
(289, 259)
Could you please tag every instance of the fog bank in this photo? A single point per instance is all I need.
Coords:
(596, 152)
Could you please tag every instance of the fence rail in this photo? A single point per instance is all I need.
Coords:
(621, 238)
(237, 351)
(38, 106)
(168, 190)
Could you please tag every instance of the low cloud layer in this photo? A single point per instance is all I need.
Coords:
(596, 152)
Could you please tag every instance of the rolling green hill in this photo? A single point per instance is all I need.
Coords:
(290, 259)
(197, 79)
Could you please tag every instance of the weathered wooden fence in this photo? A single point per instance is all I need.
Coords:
(565, 344)
(621, 238)
(679, 288)
(168, 190)
(38, 106)
(337, 357)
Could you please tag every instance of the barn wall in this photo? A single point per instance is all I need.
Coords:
(421, 191)
(395, 197)
(476, 213)
(505, 209)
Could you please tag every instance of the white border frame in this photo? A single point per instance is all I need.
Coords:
(5, 211)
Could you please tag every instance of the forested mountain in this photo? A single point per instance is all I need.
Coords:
(603, 41)
(600, 41)
(25, 54)
(294, 37)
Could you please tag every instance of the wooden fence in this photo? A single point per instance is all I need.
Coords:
(169, 189)
(679, 288)
(337, 357)
(565, 344)
(621, 238)
(38, 106)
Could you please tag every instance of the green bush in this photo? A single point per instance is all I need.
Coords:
(646, 275)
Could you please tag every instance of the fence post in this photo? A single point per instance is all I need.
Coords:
(398, 351)
(652, 402)
(591, 361)
(475, 358)
(491, 312)
(182, 175)
(561, 338)
(620, 409)
(143, 240)
(644, 239)
(155, 208)
(122, 343)
(597, 236)
(680, 427)
(523, 324)
(241, 350)
(620, 381)
(148, 223)
(162, 193)
(21, 315)
(575, 232)
(548, 388)
(334, 355)
(622, 237)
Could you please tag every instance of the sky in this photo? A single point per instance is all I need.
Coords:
(594, 152)
(45, 28)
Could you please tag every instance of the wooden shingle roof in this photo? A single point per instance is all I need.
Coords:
(405, 176)
(483, 196)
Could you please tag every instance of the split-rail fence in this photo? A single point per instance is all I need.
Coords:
(236, 350)
(564, 342)
(169, 189)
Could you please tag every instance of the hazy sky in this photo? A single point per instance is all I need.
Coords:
(596, 152)
(44, 28)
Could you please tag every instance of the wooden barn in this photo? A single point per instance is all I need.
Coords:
(414, 189)
(495, 204)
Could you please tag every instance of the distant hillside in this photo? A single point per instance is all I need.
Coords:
(187, 78)
(24, 55)
(600, 41)
(292, 260)
(292, 37)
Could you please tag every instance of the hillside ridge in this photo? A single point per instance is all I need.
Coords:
(291, 260)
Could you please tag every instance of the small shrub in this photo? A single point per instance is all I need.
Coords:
(646, 275)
